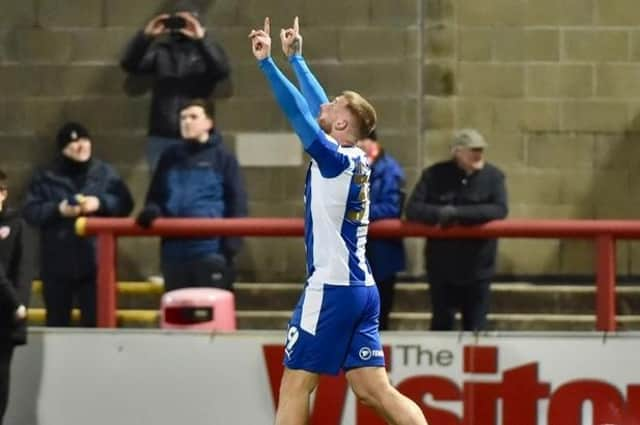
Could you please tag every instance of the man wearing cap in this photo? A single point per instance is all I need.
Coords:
(75, 184)
(184, 62)
(464, 190)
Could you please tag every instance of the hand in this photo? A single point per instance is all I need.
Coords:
(261, 41)
(146, 217)
(155, 27)
(291, 39)
(447, 215)
(193, 29)
(67, 210)
(89, 204)
(21, 312)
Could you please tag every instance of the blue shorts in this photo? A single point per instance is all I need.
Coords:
(334, 328)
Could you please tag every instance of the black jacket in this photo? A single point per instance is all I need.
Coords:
(182, 69)
(63, 254)
(478, 198)
(16, 272)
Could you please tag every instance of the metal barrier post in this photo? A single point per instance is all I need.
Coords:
(106, 293)
(606, 283)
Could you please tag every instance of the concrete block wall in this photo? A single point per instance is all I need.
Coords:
(549, 82)
(552, 85)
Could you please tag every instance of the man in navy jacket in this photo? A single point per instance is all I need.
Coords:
(75, 184)
(386, 256)
(197, 178)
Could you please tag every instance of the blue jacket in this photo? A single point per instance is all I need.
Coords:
(386, 256)
(198, 180)
(63, 254)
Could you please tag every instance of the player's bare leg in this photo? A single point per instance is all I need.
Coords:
(372, 387)
(295, 391)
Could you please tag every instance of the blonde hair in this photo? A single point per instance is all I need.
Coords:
(364, 113)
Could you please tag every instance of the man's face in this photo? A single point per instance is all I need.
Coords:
(471, 159)
(332, 112)
(194, 124)
(78, 150)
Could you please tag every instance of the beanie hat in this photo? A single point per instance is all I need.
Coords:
(70, 132)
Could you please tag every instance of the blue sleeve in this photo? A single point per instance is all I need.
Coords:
(40, 206)
(235, 204)
(314, 140)
(116, 201)
(157, 193)
(309, 85)
(292, 103)
(330, 161)
(387, 199)
(235, 195)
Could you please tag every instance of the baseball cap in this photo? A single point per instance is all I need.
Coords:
(469, 138)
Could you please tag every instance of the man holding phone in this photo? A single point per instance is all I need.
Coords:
(184, 63)
(74, 184)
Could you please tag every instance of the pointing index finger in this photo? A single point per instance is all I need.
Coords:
(267, 25)
(296, 26)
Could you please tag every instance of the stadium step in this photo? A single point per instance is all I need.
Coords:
(277, 319)
(507, 298)
(515, 306)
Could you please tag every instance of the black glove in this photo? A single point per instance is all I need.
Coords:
(447, 215)
(147, 215)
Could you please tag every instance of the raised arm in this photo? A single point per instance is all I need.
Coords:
(309, 85)
(288, 97)
(137, 58)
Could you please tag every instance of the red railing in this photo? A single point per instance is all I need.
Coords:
(603, 232)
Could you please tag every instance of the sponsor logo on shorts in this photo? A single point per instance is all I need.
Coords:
(366, 353)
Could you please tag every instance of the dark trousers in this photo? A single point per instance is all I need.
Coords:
(386, 289)
(59, 295)
(211, 271)
(6, 353)
(470, 298)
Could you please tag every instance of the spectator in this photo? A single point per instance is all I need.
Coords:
(386, 256)
(198, 178)
(184, 63)
(75, 184)
(462, 191)
(16, 268)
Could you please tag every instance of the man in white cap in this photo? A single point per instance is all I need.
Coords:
(464, 190)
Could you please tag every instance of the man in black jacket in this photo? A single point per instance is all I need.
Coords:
(176, 52)
(76, 184)
(16, 272)
(461, 191)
